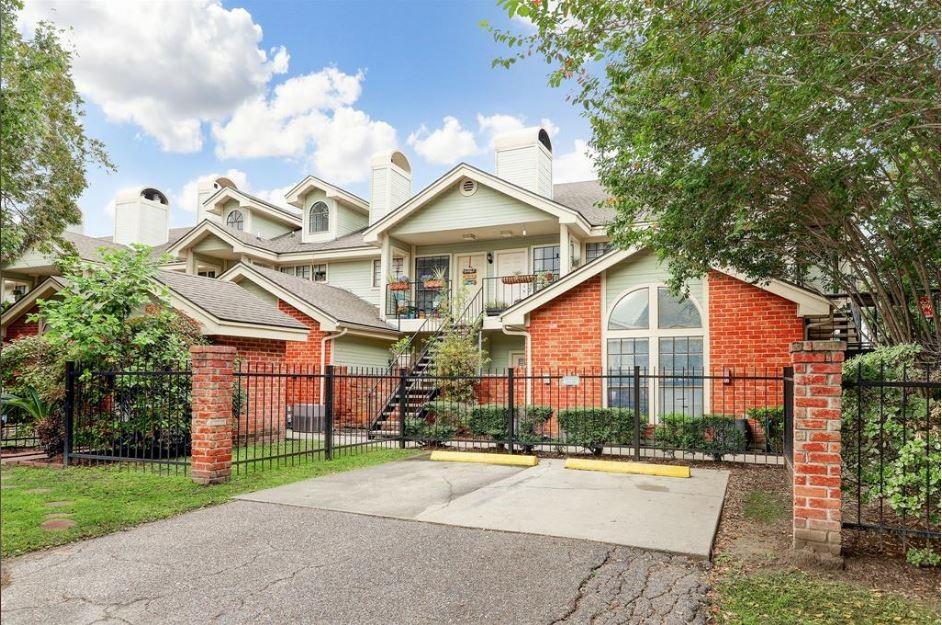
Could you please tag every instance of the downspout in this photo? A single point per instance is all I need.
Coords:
(526, 348)
(327, 337)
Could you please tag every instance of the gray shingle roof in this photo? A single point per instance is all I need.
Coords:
(583, 197)
(87, 247)
(226, 300)
(291, 242)
(338, 303)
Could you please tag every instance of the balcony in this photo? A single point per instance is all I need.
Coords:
(426, 298)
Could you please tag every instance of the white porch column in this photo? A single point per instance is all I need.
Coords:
(190, 262)
(565, 259)
(385, 268)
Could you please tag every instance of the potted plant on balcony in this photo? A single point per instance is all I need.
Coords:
(434, 281)
(398, 283)
(495, 308)
(517, 278)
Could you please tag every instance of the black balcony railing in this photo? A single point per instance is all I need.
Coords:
(424, 298)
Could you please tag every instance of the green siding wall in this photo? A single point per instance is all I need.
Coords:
(266, 227)
(355, 276)
(454, 211)
(349, 220)
(643, 269)
(472, 247)
(359, 351)
(259, 292)
(498, 346)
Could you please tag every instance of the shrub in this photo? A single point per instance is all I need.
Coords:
(32, 362)
(427, 432)
(899, 441)
(50, 431)
(489, 420)
(530, 422)
(454, 413)
(592, 428)
(679, 431)
(772, 420)
(721, 436)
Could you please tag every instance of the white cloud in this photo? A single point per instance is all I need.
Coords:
(551, 129)
(498, 124)
(576, 165)
(445, 145)
(312, 116)
(167, 67)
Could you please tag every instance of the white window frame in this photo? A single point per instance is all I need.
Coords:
(310, 217)
(654, 334)
(326, 272)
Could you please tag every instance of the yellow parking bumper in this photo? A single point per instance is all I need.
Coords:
(468, 456)
(639, 468)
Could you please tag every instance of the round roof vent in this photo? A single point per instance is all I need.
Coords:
(468, 187)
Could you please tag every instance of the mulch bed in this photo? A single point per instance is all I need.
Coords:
(749, 545)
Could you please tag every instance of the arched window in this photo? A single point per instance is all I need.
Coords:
(319, 219)
(662, 334)
(235, 220)
(631, 312)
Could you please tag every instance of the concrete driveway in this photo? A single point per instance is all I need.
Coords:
(661, 513)
(246, 563)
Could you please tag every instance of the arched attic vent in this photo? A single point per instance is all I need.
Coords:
(154, 195)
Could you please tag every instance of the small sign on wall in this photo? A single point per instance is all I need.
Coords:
(469, 276)
(570, 380)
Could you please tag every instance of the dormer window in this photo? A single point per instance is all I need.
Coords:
(320, 218)
(235, 220)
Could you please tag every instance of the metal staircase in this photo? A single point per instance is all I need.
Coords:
(419, 385)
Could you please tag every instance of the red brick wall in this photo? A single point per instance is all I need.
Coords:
(566, 337)
(751, 333)
(22, 327)
(750, 327)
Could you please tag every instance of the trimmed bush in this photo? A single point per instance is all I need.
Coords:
(593, 428)
(721, 436)
(427, 432)
(489, 420)
(677, 431)
(530, 420)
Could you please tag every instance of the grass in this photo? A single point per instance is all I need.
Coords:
(109, 498)
(786, 598)
(765, 507)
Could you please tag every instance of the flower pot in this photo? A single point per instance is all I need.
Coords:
(521, 279)
(432, 284)
(399, 286)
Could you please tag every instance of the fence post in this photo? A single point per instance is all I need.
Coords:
(636, 390)
(816, 438)
(402, 407)
(788, 416)
(511, 409)
(329, 413)
(211, 425)
(69, 408)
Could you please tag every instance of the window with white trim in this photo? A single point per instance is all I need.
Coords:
(648, 327)
(319, 274)
(546, 259)
(235, 220)
(319, 220)
(594, 250)
(397, 265)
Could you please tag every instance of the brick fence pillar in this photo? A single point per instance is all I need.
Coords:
(816, 475)
(211, 396)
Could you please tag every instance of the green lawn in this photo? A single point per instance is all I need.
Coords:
(787, 598)
(106, 499)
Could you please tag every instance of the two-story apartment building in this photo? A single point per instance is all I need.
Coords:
(342, 277)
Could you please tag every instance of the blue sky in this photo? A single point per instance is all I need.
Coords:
(268, 92)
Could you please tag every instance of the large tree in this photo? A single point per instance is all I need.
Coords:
(44, 147)
(786, 139)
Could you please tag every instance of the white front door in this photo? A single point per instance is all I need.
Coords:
(470, 270)
(508, 288)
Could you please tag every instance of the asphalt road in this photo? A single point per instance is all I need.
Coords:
(248, 562)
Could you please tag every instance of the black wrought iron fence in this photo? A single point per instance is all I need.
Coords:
(285, 414)
(18, 436)
(890, 447)
(694, 414)
(139, 415)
